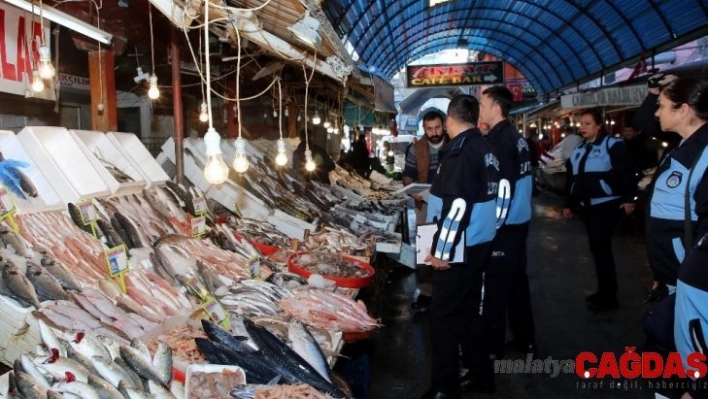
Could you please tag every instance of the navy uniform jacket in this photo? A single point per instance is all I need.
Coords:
(600, 171)
(464, 190)
(512, 150)
(666, 211)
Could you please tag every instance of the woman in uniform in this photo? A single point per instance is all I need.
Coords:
(602, 183)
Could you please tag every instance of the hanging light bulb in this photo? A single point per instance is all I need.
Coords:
(203, 114)
(46, 69)
(281, 159)
(330, 129)
(153, 92)
(326, 124)
(240, 160)
(316, 119)
(286, 113)
(309, 163)
(37, 83)
(299, 117)
(275, 114)
(216, 171)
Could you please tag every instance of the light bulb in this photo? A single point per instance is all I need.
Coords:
(390, 153)
(316, 119)
(281, 159)
(216, 171)
(203, 112)
(46, 69)
(326, 123)
(153, 92)
(286, 113)
(240, 159)
(100, 107)
(275, 114)
(309, 163)
(37, 83)
(330, 129)
(299, 118)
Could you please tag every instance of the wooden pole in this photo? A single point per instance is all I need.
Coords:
(103, 91)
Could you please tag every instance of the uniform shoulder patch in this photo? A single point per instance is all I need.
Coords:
(674, 179)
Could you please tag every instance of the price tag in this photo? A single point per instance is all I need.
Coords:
(6, 205)
(88, 212)
(216, 312)
(200, 206)
(117, 260)
(197, 288)
(198, 226)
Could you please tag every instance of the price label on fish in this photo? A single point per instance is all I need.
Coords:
(200, 206)
(198, 226)
(216, 312)
(117, 260)
(88, 212)
(196, 286)
(6, 205)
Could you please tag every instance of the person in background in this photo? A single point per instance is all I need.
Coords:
(388, 156)
(360, 156)
(640, 147)
(569, 143)
(601, 180)
(323, 163)
(677, 236)
(644, 118)
(462, 199)
(421, 165)
(536, 153)
(506, 281)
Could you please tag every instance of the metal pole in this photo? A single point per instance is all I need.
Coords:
(177, 106)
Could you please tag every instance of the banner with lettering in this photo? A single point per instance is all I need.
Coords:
(613, 96)
(20, 37)
(467, 74)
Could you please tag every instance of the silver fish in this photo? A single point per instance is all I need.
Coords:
(140, 365)
(60, 366)
(18, 285)
(304, 344)
(51, 394)
(81, 389)
(104, 389)
(133, 375)
(86, 344)
(158, 391)
(163, 362)
(132, 393)
(65, 277)
(45, 284)
(28, 386)
(9, 238)
(49, 338)
(31, 369)
(76, 356)
(111, 372)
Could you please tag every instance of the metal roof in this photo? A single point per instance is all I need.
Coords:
(554, 43)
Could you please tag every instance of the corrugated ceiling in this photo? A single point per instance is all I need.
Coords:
(553, 42)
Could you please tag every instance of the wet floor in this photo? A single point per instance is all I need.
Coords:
(561, 275)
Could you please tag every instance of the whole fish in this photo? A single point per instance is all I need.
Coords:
(287, 363)
(163, 362)
(50, 339)
(86, 344)
(103, 388)
(76, 217)
(120, 231)
(28, 386)
(113, 239)
(59, 366)
(27, 366)
(18, 285)
(51, 394)
(132, 393)
(218, 334)
(159, 391)
(111, 372)
(258, 369)
(9, 238)
(304, 344)
(63, 275)
(76, 356)
(79, 388)
(133, 231)
(136, 360)
(45, 284)
(137, 381)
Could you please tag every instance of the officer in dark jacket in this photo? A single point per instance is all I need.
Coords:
(506, 282)
(462, 199)
(602, 180)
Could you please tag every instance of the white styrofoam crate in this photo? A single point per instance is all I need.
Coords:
(140, 156)
(12, 314)
(294, 221)
(63, 163)
(286, 228)
(47, 198)
(19, 345)
(233, 196)
(96, 144)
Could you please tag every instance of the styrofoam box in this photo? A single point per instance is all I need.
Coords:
(63, 163)
(18, 345)
(210, 369)
(286, 228)
(233, 196)
(295, 221)
(140, 156)
(47, 199)
(12, 314)
(97, 144)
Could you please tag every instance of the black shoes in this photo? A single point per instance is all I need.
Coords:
(601, 303)
(422, 303)
(521, 346)
(470, 384)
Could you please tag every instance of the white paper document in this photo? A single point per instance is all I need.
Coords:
(413, 188)
(424, 242)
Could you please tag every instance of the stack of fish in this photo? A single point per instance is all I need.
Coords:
(74, 364)
(252, 298)
(329, 311)
(265, 358)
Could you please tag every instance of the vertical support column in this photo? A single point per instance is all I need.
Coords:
(103, 90)
(177, 111)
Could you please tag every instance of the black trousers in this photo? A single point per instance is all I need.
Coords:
(601, 222)
(456, 315)
(507, 289)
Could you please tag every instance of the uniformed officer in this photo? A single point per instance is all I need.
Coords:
(601, 179)
(506, 281)
(462, 199)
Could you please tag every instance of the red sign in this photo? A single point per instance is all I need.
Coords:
(471, 73)
(20, 37)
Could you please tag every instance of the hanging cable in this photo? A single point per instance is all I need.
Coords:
(153, 91)
(309, 163)
(281, 159)
(240, 159)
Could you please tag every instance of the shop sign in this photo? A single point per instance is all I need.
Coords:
(470, 73)
(19, 33)
(521, 89)
(73, 81)
(630, 95)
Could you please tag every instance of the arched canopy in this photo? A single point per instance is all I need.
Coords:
(554, 43)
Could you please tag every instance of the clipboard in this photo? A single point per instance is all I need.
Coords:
(413, 188)
(424, 242)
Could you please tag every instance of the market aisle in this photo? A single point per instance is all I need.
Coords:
(561, 274)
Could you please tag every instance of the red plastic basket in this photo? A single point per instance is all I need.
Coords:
(345, 282)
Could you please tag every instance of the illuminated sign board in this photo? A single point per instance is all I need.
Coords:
(471, 73)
